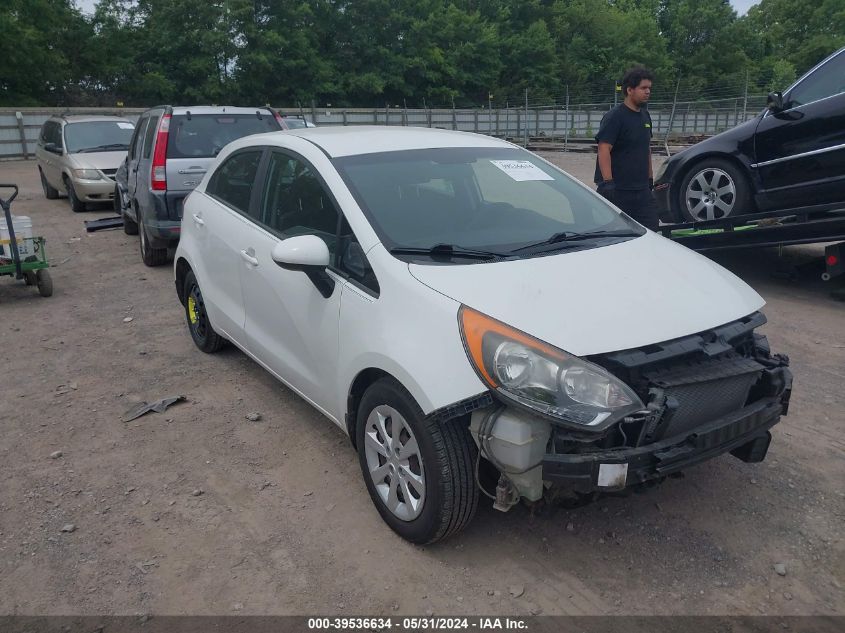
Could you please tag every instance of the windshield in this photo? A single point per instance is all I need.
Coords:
(103, 136)
(501, 200)
(204, 135)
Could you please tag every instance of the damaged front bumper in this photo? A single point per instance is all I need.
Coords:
(744, 433)
(715, 392)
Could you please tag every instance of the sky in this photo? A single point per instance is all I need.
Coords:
(741, 6)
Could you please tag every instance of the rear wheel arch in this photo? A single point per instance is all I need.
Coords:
(182, 270)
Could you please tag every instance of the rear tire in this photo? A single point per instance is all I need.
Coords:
(149, 255)
(714, 188)
(49, 192)
(402, 453)
(199, 326)
(76, 205)
(45, 282)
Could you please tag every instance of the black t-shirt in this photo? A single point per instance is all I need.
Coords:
(629, 133)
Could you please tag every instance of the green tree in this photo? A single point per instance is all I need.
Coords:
(701, 38)
(42, 46)
(802, 33)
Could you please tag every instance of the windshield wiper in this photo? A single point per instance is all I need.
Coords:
(567, 236)
(446, 250)
(104, 148)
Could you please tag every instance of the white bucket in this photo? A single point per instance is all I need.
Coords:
(23, 230)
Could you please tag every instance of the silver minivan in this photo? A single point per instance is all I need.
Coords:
(169, 153)
(78, 155)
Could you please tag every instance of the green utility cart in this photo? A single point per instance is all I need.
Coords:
(26, 257)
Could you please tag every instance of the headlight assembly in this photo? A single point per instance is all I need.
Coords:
(87, 174)
(544, 378)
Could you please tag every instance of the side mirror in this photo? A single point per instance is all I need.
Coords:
(308, 254)
(775, 102)
(52, 147)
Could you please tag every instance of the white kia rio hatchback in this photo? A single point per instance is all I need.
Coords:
(474, 318)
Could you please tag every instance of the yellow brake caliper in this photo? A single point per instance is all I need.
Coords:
(192, 310)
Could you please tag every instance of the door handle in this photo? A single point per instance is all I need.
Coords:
(199, 221)
(192, 171)
(249, 259)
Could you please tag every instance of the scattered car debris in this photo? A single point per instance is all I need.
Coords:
(516, 590)
(55, 454)
(253, 416)
(780, 569)
(70, 527)
(197, 492)
(159, 406)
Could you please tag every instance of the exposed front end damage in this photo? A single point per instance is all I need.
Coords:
(711, 393)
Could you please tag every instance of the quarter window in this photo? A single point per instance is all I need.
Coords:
(232, 182)
(294, 202)
(352, 261)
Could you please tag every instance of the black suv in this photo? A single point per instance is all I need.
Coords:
(791, 155)
(169, 153)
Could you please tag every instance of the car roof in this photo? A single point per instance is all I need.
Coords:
(337, 141)
(86, 118)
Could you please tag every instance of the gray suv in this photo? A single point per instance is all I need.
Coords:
(169, 153)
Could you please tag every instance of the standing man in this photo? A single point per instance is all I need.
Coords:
(623, 165)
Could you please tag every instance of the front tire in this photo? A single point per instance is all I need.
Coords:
(419, 471)
(199, 326)
(49, 192)
(714, 189)
(76, 205)
(149, 255)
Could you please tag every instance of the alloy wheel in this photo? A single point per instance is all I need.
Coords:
(710, 194)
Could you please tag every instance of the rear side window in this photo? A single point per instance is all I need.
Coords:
(138, 134)
(204, 135)
(233, 181)
(149, 137)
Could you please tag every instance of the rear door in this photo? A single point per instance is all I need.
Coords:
(132, 156)
(193, 143)
(801, 150)
(139, 168)
(221, 231)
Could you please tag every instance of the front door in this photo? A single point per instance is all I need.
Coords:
(291, 328)
(800, 152)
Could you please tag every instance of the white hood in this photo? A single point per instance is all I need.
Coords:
(642, 291)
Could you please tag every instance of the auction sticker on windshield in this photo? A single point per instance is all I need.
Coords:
(521, 170)
(126, 126)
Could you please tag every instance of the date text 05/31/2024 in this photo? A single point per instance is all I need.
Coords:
(413, 624)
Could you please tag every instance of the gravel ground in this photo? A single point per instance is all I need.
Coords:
(199, 510)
